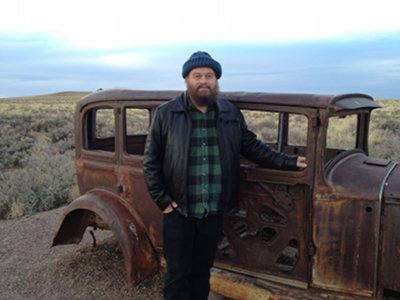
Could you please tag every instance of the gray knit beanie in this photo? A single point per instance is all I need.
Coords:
(201, 59)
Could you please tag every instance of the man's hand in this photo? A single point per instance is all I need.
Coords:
(301, 162)
(170, 207)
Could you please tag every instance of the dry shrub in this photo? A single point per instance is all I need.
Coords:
(36, 161)
(43, 184)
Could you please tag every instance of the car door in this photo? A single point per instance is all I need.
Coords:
(268, 234)
(96, 147)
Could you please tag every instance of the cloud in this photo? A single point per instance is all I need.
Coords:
(38, 64)
(367, 64)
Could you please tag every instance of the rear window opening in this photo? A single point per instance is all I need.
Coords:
(99, 129)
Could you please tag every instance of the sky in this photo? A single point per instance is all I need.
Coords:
(311, 46)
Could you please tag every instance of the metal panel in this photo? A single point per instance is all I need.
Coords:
(390, 275)
(345, 236)
(267, 233)
(391, 248)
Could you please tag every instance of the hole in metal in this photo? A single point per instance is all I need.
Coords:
(267, 234)
(289, 256)
(239, 212)
(272, 216)
(240, 228)
(225, 248)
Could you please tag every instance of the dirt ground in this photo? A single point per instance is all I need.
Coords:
(31, 269)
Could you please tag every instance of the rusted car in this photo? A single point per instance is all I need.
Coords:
(329, 231)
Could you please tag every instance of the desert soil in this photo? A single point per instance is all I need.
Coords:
(31, 269)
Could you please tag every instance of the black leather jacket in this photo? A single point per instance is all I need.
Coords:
(167, 148)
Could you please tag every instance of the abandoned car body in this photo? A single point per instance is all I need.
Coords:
(328, 231)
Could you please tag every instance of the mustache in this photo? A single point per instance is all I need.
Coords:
(203, 86)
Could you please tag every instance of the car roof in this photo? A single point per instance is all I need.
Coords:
(332, 102)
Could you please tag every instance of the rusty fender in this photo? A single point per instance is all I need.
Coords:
(106, 210)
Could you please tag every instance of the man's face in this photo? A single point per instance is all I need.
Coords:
(202, 86)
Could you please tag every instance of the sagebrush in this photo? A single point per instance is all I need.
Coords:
(36, 153)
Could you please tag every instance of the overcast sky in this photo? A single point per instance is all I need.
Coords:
(273, 46)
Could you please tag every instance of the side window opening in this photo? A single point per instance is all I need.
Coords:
(99, 129)
(137, 122)
(285, 132)
(342, 132)
(264, 124)
(341, 135)
(298, 127)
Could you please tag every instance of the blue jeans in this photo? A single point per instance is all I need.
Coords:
(190, 245)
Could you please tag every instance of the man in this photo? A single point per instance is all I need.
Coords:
(191, 168)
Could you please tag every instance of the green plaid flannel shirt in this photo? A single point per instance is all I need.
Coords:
(204, 178)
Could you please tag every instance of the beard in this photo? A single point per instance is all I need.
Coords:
(203, 94)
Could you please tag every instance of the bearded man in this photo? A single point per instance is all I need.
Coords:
(191, 168)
